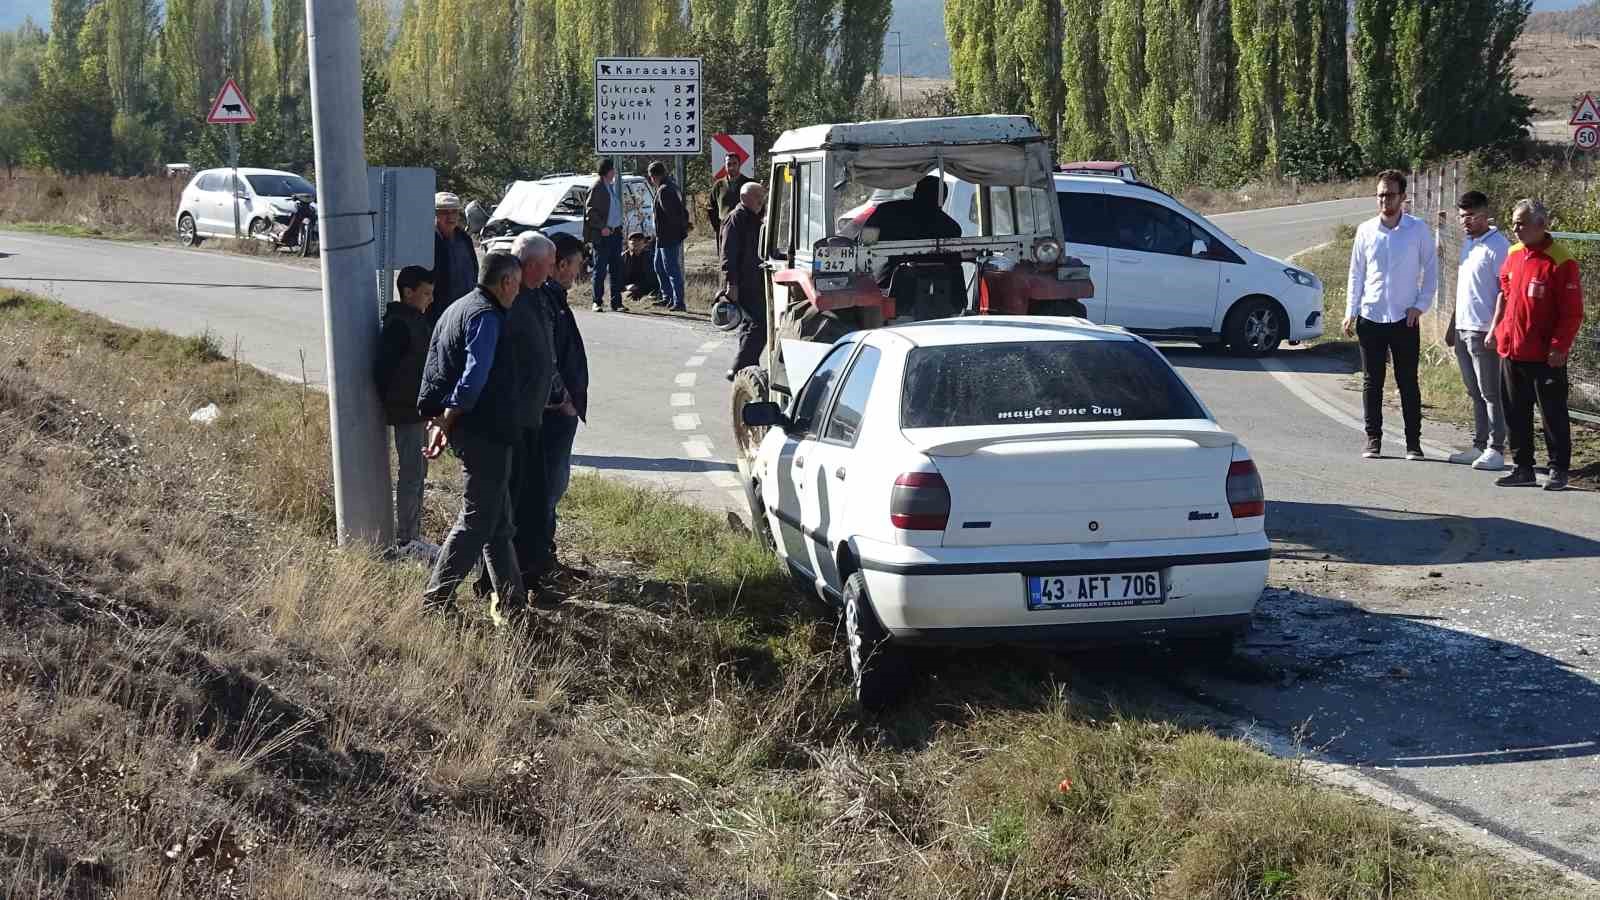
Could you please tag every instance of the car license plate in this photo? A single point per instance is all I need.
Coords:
(833, 260)
(1096, 591)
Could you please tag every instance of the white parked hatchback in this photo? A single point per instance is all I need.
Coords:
(214, 200)
(1013, 479)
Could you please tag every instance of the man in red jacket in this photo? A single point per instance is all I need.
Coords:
(1535, 323)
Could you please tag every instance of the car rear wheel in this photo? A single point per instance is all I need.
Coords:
(1255, 327)
(188, 235)
(750, 385)
(259, 228)
(878, 669)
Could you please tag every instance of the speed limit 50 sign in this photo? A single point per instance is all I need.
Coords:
(1587, 137)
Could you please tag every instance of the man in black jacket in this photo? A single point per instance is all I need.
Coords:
(562, 417)
(455, 262)
(402, 352)
(672, 229)
(723, 200)
(533, 329)
(475, 386)
(741, 274)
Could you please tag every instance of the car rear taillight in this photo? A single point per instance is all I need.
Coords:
(920, 502)
(1246, 497)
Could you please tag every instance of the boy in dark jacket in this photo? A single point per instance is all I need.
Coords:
(402, 351)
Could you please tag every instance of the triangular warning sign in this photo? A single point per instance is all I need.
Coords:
(230, 107)
(1587, 113)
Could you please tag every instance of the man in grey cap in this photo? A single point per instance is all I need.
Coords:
(455, 263)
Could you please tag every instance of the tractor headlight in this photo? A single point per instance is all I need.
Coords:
(1047, 253)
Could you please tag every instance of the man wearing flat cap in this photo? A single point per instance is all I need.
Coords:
(455, 263)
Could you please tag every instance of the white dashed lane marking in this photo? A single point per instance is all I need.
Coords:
(694, 362)
(685, 379)
(681, 400)
(698, 447)
(710, 346)
(686, 421)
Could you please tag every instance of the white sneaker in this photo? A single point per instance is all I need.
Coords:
(1490, 461)
(1466, 457)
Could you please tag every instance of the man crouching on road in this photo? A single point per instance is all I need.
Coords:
(741, 273)
(475, 386)
(1535, 323)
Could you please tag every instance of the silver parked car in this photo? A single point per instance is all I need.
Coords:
(265, 200)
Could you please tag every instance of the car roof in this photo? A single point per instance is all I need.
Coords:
(1107, 179)
(1002, 330)
(1098, 165)
(947, 130)
(248, 171)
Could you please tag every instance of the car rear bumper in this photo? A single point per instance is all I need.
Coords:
(966, 595)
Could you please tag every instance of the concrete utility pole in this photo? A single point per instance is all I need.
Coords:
(349, 296)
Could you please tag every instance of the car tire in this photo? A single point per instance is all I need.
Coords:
(751, 385)
(879, 670)
(258, 229)
(1255, 327)
(188, 234)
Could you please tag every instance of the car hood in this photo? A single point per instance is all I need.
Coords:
(529, 203)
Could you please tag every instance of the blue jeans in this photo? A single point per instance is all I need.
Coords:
(608, 258)
(669, 269)
(557, 435)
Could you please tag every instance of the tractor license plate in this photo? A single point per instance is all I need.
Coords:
(831, 260)
(1096, 591)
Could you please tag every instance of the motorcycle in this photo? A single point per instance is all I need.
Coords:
(296, 231)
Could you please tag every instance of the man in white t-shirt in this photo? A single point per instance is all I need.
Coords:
(1483, 251)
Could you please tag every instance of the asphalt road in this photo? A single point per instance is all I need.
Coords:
(1439, 633)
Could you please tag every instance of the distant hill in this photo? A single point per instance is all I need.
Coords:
(921, 27)
(1573, 22)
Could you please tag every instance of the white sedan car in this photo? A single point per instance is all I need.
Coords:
(1020, 479)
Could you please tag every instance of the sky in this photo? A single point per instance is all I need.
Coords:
(12, 12)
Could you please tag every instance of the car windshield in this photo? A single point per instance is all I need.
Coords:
(1046, 381)
(906, 216)
(279, 185)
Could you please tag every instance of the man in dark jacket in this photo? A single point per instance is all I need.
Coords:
(475, 386)
(723, 200)
(534, 329)
(672, 229)
(562, 417)
(455, 262)
(639, 268)
(741, 274)
(916, 218)
(402, 352)
(602, 228)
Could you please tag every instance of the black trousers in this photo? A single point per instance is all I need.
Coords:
(1523, 384)
(752, 333)
(1380, 341)
(484, 528)
(529, 498)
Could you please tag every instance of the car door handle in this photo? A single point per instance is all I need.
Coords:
(1130, 260)
(799, 462)
(839, 473)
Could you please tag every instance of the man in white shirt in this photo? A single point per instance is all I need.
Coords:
(1483, 251)
(1394, 271)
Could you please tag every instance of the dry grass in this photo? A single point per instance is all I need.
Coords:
(91, 205)
(1269, 194)
(199, 697)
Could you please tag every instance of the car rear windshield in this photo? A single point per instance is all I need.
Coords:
(279, 185)
(1045, 381)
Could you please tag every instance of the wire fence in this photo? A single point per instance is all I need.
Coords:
(1433, 199)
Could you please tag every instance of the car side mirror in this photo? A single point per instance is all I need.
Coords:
(1199, 248)
(764, 414)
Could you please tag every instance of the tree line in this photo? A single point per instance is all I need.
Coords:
(484, 91)
(1217, 91)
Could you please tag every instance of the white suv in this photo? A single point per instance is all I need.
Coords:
(997, 479)
(1162, 270)
(262, 197)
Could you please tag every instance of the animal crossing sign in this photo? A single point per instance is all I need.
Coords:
(230, 107)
